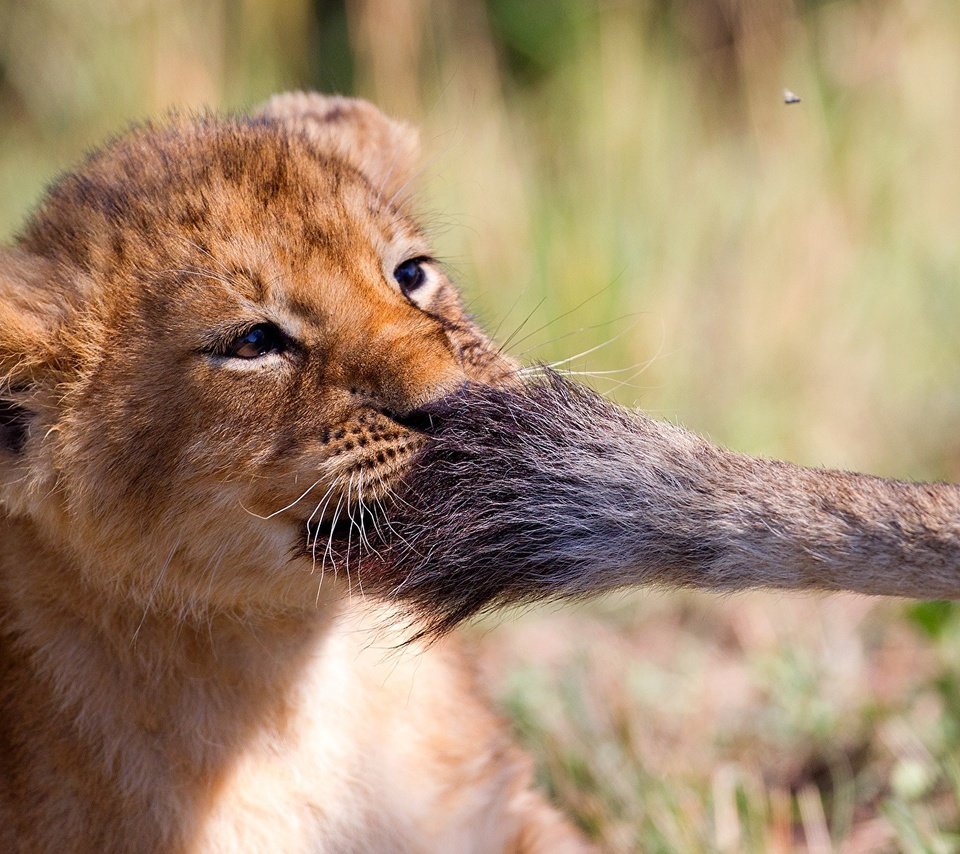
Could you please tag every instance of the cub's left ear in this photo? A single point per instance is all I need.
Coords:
(383, 149)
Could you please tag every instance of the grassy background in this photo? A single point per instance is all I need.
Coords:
(623, 181)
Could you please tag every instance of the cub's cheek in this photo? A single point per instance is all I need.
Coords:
(482, 362)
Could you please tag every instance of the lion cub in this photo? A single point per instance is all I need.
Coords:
(209, 335)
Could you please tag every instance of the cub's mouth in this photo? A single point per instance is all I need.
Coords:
(356, 519)
(339, 528)
(354, 523)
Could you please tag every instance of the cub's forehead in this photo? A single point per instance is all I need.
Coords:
(244, 192)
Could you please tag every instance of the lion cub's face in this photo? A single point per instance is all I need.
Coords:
(210, 329)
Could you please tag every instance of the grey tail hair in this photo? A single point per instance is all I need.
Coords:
(548, 491)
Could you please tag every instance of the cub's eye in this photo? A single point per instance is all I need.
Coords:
(410, 275)
(258, 341)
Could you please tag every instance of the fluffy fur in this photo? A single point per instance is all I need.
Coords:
(549, 490)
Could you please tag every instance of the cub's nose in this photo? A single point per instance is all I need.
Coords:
(427, 417)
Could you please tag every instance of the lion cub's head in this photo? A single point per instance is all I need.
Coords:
(209, 336)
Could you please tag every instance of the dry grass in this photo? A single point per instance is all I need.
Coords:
(754, 723)
(782, 278)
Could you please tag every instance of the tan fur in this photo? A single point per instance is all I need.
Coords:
(178, 674)
(188, 661)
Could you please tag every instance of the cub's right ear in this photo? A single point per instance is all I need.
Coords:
(383, 149)
(30, 313)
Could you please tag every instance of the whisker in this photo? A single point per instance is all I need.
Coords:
(577, 307)
(323, 501)
(587, 352)
(577, 331)
(363, 534)
(282, 509)
(316, 538)
(333, 526)
(634, 367)
(656, 355)
(376, 506)
(503, 319)
(386, 518)
(523, 323)
(349, 510)
(362, 507)
(153, 592)
(329, 547)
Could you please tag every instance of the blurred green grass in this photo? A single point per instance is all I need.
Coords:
(623, 181)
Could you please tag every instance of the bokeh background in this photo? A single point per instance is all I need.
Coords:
(620, 185)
